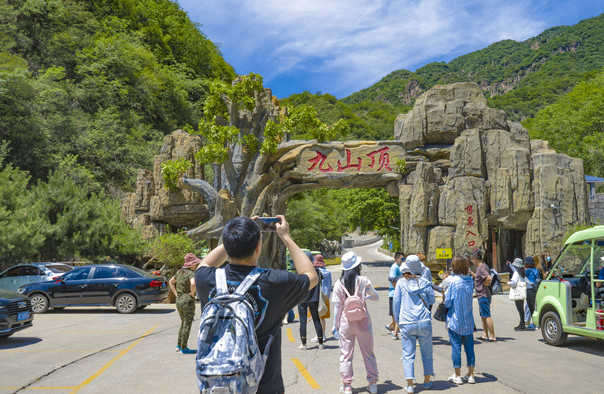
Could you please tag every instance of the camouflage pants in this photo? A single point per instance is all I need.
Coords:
(185, 305)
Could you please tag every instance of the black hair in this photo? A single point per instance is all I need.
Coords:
(240, 237)
(399, 254)
(477, 254)
(349, 278)
(520, 271)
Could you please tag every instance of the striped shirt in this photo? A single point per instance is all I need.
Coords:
(458, 298)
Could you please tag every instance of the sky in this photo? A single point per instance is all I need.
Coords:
(343, 46)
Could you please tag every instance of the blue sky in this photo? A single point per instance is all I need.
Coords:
(342, 46)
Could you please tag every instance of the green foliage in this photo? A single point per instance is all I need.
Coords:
(172, 170)
(60, 219)
(171, 248)
(574, 228)
(575, 123)
(400, 165)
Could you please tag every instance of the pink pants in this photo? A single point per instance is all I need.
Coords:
(361, 330)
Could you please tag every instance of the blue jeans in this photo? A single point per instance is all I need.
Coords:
(468, 345)
(410, 333)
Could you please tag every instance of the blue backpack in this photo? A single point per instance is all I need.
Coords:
(228, 357)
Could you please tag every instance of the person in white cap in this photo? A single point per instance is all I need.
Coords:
(352, 320)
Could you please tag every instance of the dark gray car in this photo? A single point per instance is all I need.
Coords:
(15, 312)
(24, 274)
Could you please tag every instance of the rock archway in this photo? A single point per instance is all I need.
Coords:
(469, 172)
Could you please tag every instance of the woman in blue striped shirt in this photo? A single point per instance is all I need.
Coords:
(460, 320)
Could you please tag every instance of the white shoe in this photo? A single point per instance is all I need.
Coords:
(409, 389)
(346, 389)
(285, 322)
(302, 347)
(321, 346)
(456, 379)
(469, 379)
(314, 340)
(396, 337)
(372, 388)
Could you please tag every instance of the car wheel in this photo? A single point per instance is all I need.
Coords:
(551, 329)
(39, 303)
(126, 303)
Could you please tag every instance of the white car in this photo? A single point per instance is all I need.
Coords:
(24, 274)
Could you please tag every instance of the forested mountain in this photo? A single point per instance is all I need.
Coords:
(518, 77)
(93, 85)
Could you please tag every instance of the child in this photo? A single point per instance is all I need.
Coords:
(351, 326)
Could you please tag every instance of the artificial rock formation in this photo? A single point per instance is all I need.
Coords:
(490, 177)
(470, 175)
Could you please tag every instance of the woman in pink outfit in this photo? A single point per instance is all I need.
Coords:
(352, 320)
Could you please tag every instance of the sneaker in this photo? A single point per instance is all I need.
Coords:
(372, 388)
(455, 379)
(346, 389)
(409, 389)
(531, 327)
(314, 340)
(321, 346)
(520, 328)
(186, 350)
(177, 349)
(396, 337)
(302, 347)
(469, 379)
(427, 386)
(389, 328)
(285, 322)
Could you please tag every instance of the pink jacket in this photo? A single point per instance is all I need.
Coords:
(338, 297)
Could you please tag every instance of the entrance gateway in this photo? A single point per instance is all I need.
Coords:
(472, 180)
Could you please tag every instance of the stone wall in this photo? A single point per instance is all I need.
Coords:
(596, 209)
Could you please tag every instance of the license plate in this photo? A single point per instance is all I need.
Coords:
(23, 316)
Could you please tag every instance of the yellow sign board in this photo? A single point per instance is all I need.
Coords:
(443, 254)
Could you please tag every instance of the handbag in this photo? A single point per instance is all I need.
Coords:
(322, 305)
(441, 312)
(518, 292)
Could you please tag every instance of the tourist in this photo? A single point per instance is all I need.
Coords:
(460, 320)
(519, 276)
(482, 280)
(273, 294)
(325, 292)
(183, 285)
(533, 277)
(412, 296)
(355, 326)
(311, 304)
(393, 275)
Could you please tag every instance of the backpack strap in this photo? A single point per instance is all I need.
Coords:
(249, 281)
(221, 282)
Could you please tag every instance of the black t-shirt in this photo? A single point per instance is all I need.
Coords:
(272, 296)
(313, 294)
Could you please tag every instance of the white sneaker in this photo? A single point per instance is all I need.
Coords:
(302, 347)
(346, 389)
(321, 346)
(455, 379)
(285, 322)
(372, 388)
(469, 379)
(396, 337)
(409, 389)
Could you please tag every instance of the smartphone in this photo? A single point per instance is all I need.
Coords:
(267, 224)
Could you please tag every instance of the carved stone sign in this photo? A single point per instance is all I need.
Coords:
(371, 158)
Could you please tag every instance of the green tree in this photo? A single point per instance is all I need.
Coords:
(575, 123)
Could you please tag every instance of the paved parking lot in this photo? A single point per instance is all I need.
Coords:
(101, 351)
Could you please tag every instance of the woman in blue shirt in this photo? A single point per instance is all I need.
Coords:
(533, 278)
(460, 320)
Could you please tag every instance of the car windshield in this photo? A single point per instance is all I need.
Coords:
(575, 258)
(138, 271)
(59, 268)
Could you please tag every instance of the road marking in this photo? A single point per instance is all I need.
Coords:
(313, 383)
(57, 351)
(110, 363)
(290, 335)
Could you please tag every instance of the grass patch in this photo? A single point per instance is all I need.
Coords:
(335, 261)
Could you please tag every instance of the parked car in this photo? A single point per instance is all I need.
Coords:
(15, 313)
(126, 287)
(23, 274)
(568, 299)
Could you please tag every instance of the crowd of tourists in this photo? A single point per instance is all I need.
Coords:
(239, 298)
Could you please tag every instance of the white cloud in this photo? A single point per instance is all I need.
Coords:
(356, 42)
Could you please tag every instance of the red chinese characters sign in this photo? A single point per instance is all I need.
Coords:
(472, 239)
(356, 159)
